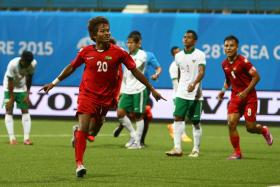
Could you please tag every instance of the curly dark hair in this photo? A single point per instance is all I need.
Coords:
(94, 23)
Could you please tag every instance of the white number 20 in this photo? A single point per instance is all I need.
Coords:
(102, 66)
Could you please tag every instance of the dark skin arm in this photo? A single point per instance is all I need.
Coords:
(139, 76)
(67, 71)
(222, 92)
(28, 82)
(255, 79)
(201, 72)
(28, 85)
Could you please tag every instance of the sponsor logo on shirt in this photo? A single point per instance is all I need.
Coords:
(108, 58)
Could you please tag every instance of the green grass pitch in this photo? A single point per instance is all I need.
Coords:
(50, 161)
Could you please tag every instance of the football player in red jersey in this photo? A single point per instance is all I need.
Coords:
(242, 77)
(99, 83)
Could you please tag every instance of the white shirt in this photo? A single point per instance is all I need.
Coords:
(130, 84)
(18, 74)
(188, 65)
(174, 74)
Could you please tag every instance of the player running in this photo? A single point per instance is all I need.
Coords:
(242, 77)
(99, 83)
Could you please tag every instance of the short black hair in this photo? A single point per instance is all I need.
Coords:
(232, 37)
(135, 35)
(94, 23)
(193, 33)
(27, 57)
(173, 49)
(135, 32)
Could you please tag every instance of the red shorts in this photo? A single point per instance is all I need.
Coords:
(87, 106)
(246, 107)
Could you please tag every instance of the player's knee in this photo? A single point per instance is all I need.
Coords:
(232, 125)
(178, 118)
(24, 111)
(250, 128)
(196, 124)
(84, 128)
(232, 122)
(131, 116)
(138, 116)
(121, 113)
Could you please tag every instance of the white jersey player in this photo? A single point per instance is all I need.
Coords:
(16, 83)
(188, 102)
(134, 95)
(174, 73)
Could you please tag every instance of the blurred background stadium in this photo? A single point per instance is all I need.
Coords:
(54, 30)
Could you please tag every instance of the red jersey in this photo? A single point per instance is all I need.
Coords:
(101, 76)
(237, 73)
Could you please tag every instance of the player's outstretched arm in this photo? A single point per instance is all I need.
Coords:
(224, 89)
(139, 76)
(68, 70)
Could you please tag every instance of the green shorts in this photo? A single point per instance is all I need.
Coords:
(190, 108)
(19, 99)
(134, 102)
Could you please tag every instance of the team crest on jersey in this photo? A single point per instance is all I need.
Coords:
(245, 60)
(108, 58)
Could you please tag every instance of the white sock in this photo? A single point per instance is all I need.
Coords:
(139, 130)
(125, 121)
(184, 132)
(9, 121)
(197, 133)
(26, 124)
(179, 128)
